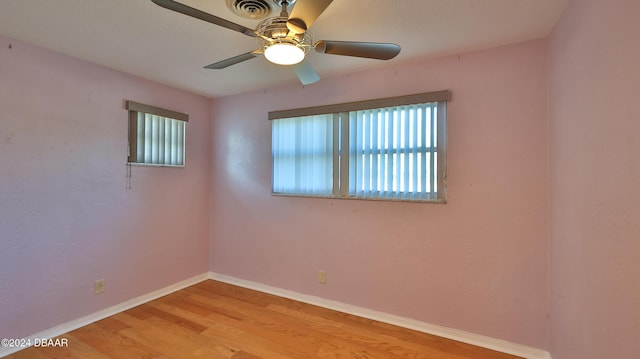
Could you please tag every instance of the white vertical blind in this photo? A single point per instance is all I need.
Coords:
(384, 149)
(302, 153)
(159, 140)
(392, 151)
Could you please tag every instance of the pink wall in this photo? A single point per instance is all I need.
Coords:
(66, 214)
(595, 173)
(478, 263)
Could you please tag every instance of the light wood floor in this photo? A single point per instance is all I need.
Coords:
(216, 320)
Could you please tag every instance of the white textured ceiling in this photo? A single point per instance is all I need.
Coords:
(141, 38)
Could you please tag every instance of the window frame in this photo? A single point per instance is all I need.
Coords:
(344, 168)
(135, 108)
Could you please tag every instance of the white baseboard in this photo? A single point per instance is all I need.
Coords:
(94, 317)
(465, 337)
(454, 334)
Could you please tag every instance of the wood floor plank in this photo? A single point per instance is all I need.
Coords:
(80, 349)
(224, 329)
(216, 320)
(152, 334)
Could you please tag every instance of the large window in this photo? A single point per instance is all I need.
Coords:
(390, 149)
(156, 135)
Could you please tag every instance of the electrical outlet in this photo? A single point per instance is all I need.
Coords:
(322, 277)
(98, 286)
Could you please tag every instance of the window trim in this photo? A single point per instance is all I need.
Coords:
(140, 107)
(439, 97)
(134, 108)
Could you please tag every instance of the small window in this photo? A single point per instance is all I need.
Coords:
(387, 149)
(156, 135)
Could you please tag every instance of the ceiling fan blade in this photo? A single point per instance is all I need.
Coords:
(306, 74)
(305, 13)
(370, 50)
(233, 60)
(198, 14)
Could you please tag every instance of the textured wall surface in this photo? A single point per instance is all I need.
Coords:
(69, 214)
(595, 172)
(478, 263)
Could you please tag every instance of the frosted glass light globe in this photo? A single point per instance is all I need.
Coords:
(284, 54)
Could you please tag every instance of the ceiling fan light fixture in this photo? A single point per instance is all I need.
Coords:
(283, 53)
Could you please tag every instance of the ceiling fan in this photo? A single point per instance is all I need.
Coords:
(286, 39)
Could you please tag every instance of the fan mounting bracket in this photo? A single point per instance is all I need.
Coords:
(289, 2)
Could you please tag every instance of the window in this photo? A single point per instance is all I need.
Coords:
(389, 149)
(156, 135)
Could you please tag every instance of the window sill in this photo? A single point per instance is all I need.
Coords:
(406, 200)
(153, 165)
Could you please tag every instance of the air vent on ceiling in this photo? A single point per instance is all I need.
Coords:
(251, 9)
